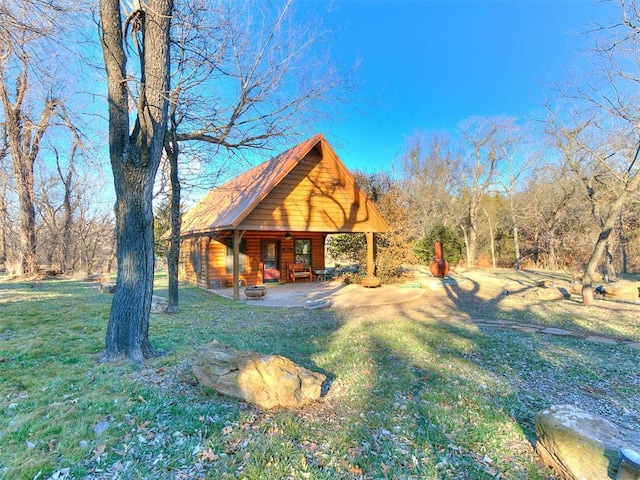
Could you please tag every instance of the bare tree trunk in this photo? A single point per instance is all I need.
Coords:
(172, 149)
(128, 329)
(607, 227)
(623, 247)
(611, 268)
(135, 157)
(4, 219)
(67, 207)
(465, 233)
(24, 184)
(24, 144)
(491, 239)
(516, 246)
(514, 222)
(472, 234)
(112, 259)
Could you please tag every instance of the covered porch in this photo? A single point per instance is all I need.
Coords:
(278, 254)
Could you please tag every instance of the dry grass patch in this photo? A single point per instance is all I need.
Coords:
(480, 294)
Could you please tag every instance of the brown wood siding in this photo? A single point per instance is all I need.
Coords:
(217, 266)
(193, 264)
(218, 263)
(312, 197)
(202, 273)
(185, 266)
(317, 252)
(215, 257)
(253, 276)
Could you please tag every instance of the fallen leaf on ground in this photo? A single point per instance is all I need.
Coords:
(208, 455)
(98, 452)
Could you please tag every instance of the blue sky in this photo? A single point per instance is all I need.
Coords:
(428, 65)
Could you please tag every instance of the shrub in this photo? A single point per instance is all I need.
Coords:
(348, 247)
(452, 246)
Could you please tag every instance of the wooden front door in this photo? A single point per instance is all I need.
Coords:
(270, 261)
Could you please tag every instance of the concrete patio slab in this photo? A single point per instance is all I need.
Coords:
(341, 295)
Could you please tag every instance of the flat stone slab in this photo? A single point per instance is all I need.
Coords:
(525, 328)
(505, 323)
(531, 325)
(483, 324)
(561, 332)
(461, 319)
(159, 304)
(546, 293)
(317, 304)
(596, 339)
(107, 287)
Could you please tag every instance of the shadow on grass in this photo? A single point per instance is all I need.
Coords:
(413, 395)
(467, 296)
(468, 397)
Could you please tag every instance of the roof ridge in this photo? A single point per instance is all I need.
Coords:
(247, 184)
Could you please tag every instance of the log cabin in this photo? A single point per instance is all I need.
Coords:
(254, 228)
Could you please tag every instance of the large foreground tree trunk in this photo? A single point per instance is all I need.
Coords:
(135, 157)
(128, 329)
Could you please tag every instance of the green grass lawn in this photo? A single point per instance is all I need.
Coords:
(413, 393)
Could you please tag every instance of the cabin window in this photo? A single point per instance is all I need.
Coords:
(303, 252)
(242, 258)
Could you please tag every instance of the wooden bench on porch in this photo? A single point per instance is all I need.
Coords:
(297, 271)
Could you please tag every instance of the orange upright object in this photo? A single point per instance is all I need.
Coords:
(439, 267)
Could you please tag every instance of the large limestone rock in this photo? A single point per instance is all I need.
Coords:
(579, 445)
(159, 304)
(266, 380)
(107, 287)
(623, 289)
(546, 293)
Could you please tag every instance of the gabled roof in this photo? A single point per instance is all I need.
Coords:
(228, 206)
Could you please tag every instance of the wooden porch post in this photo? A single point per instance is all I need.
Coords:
(370, 259)
(370, 280)
(237, 236)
